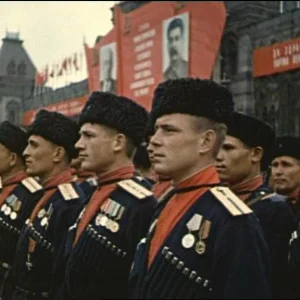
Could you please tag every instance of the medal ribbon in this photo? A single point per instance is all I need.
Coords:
(10, 185)
(107, 184)
(51, 188)
(179, 204)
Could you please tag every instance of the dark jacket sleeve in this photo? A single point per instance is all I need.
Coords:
(140, 223)
(281, 224)
(67, 217)
(241, 266)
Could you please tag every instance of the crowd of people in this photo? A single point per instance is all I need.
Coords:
(192, 200)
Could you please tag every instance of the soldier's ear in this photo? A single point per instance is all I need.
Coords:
(58, 154)
(257, 154)
(207, 141)
(13, 159)
(119, 142)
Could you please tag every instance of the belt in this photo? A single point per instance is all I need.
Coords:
(30, 293)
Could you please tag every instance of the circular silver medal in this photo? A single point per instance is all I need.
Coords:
(13, 215)
(3, 207)
(44, 221)
(7, 211)
(103, 221)
(188, 241)
(200, 247)
(41, 213)
(98, 220)
(108, 224)
(114, 227)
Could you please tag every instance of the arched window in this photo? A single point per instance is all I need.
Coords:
(21, 69)
(13, 112)
(11, 68)
(229, 54)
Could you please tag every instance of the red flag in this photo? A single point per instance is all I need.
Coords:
(75, 62)
(38, 78)
(42, 77)
(65, 64)
(52, 73)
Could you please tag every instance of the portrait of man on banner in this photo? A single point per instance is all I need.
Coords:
(176, 47)
(108, 68)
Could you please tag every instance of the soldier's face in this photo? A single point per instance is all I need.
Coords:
(174, 147)
(175, 44)
(96, 147)
(5, 160)
(285, 176)
(234, 161)
(39, 155)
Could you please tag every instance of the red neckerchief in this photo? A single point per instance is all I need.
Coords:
(107, 184)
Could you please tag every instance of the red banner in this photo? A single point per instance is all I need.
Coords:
(277, 58)
(71, 107)
(158, 41)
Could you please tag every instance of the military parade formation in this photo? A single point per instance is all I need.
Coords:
(192, 200)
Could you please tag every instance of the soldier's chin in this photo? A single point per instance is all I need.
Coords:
(160, 170)
(86, 166)
(31, 172)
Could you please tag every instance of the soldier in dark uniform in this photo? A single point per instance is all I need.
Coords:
(163, 184)
(51, 146)
(204, 242)
(105, 236)
(19, 194)
(285, 179)
(285, 171)
(245, 154)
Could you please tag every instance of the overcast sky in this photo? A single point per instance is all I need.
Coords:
(53, 30)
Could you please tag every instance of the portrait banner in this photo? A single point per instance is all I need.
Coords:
(174, 38)
(108, 68)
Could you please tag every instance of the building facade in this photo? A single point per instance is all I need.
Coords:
(251, 25)
(17, 74)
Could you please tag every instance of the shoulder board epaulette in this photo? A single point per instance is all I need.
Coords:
(68, 192)
(31, 184)
(230, 201)
(92, 181)
(267, 195)
(135, 189)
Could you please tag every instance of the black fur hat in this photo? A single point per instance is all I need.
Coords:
(56, 128)
(253, 132)
(193, 96)
(13, 137)
(117, 112)
(287, 146)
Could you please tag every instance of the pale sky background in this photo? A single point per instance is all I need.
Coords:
(54, 30)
